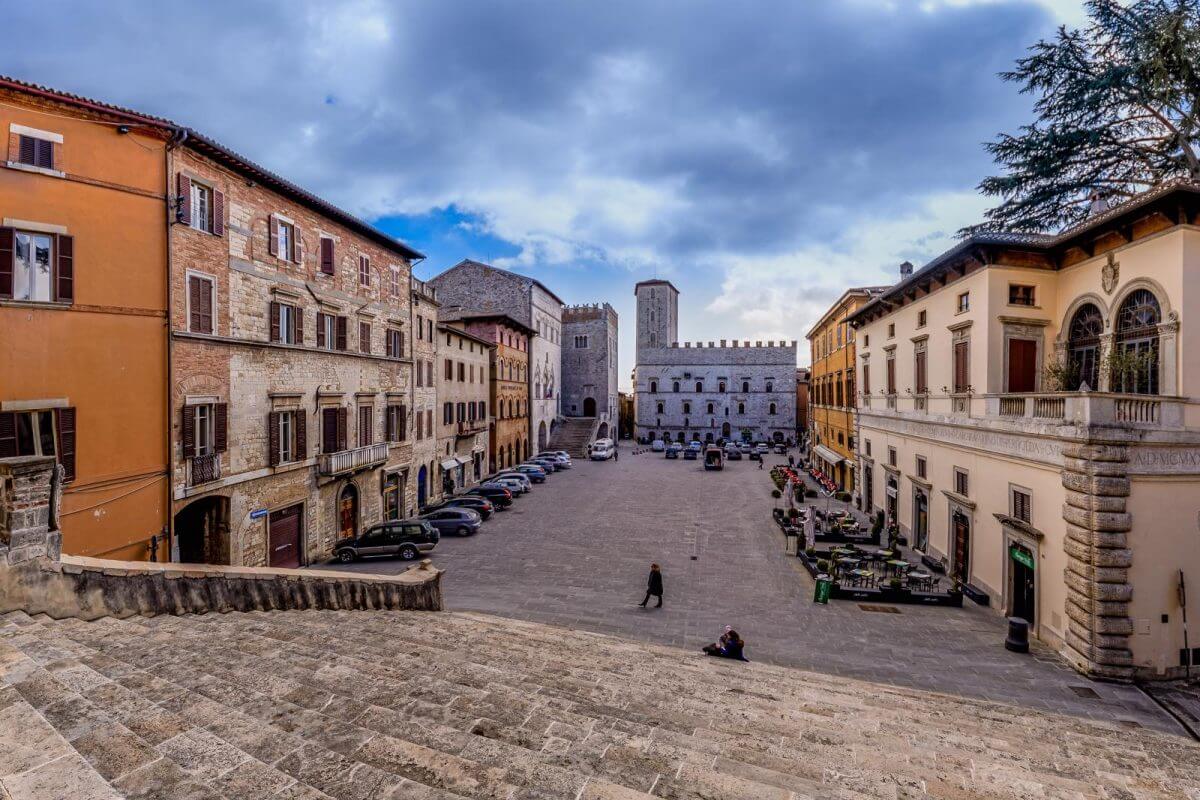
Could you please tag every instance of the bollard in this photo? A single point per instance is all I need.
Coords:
(1018, 635)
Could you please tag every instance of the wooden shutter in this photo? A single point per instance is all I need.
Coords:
(320, 329)
(28, 147)
(403, 424)
(866, 378)
(194, 316)
(221, 423)
(387, 344)
(65, 417)
(329, 427)
(298, 325)
(326, 255)
(960, 366)
(272, 235)
(273, 438)
(187, 433)
(920, 370)
(45, 153)
(183, 199)
(8, 434)
(389, 423)
(341, 333)
(364, 337)
(297, 246)
(64, 275)
(300, 423)
(341, 428)
(274, 314)
(218, 213)
(7, 260)
(891, 376)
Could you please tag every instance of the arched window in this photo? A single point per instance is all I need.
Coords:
(685, 423)
(1136, 370)
(653, 387)
(675, 386)
(710, 408)
(721, 387)
(745, 387)
(699, 387)
(771, 409)
(741, 408)
(769, 385)
(1083, 348)
(659, 407)
(687, 407)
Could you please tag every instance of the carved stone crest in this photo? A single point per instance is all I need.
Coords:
(1110, 274)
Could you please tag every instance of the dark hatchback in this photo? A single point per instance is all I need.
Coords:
(500, 498)
(479, 504)
(403, 538)
(462, 521)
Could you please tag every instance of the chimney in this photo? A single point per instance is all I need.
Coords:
(1097, 203)
(906, 270)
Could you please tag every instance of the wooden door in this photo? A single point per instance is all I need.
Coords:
(348, 513)
(283, 537)
(1022, 365)
(962, 549)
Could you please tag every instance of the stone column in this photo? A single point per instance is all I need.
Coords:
(1168, 334)
(1098, 559)
(27, 491)
(1107, 342)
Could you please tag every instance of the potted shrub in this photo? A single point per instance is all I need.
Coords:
(776, 494)
(895, 584)
(793, 513)
(823, 566)
(810, 551)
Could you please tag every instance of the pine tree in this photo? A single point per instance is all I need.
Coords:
(1116, 115)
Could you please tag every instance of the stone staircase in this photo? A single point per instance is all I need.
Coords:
(573, 435)
(398, 704)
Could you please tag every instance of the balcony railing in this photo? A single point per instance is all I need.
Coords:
(345, 461)
(1070, 408)
(203, 469)
(467, 426)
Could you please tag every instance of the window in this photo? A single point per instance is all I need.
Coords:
(770, 386)
(892, 456)
(200, 303)
(962, 356)
(447, 413)
(201, 207)
(920, 370)
(921, 466)
(891, 373)
(394, 280)
(286, 324)
(710, 408)
(286, 439)
(35, 152)
(581, 342)
(675, 386)
(771, 409)
(40, 433)
(721, 387)
(964, 302)
(364, 270)
(699, 387)
(1022, 505)
(1083, 347)
(364, 337)
(1019, 295)
(396, 423)
(285, 235)
(462, 372)
(867, 446)
(653, 387)
(687, 407)
(741, 408)
(866, 378)
(331, 332)
(867, 340)
(333, 429)
(1137, 341)
(745, 386)
(922, 317)
(891, 330)
(27, 268)
(203, 429)
(962, 484)
(449, 371)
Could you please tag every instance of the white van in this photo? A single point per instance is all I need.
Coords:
(602, 449)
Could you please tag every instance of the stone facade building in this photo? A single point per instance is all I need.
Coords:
(832, 422)
(463, 390)
(687, 391)
(425, 449)
(291, 367)
(589, 359)
(508, 392)
(1029, 421)
(470, 287)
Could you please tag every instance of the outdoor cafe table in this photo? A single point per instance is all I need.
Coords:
(923, 579)
(896, 566)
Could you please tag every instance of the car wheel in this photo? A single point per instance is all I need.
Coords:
(408, 552)
(464, 531)
(345, 556)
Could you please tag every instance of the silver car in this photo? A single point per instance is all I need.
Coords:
(517, 476)
(512, 484)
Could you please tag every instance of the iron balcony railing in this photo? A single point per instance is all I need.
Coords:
(204, 469)
(345, 461)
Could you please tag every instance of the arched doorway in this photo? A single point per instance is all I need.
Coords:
(541, 436)
(778, 437)
(422, 492)
(589, 407)
(725, 430)
(348, 511)
(202, 531)
(1022, 586)
(602, 431)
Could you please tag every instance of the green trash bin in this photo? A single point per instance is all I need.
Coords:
(824, 587)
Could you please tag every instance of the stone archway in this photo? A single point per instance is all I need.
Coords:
(589, 406)
(542, 437)
(602, 431)
(202, 531)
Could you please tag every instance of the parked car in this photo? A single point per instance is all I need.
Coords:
(755, 455)
(479, 504)
(732, 453)
(762, 448)
(561, 459)
(690, 454)
(500, 497)
(462, 521)
(520, 477)
(535, 473)
(512, 484)
(745, 447)
(658, 445)
(714, 458)
(404, 538)
(673, 450)
(549, 464)
(562, 453)
(781, 449)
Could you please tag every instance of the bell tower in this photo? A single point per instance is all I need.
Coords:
(657, 315)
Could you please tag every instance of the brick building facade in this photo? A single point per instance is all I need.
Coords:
(463, 389)
(425, 401)
(291, 383)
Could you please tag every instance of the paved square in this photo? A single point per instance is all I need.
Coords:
(576, 551)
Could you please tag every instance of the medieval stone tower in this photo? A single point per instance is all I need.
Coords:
(657, 315)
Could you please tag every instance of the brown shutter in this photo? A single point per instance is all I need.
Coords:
(273, 438)
(65, 417)
(274, 314)
(297, 245)
(326, 255)
(194, 315)
(272, 235)
(218, 213)
(7, 258)
(28, 156)
(341, 333)
(8, 434)
(188, 432)
(301, 425)
(364, 337)
(387, 343)
(403, 423)
(389, 423)
(920, 372)
(320, 329)
(183, 199)
(866, 379)
(960, 366)
(64, 276)
(298, 326)
(206, 304)
(221, 419)
(45, 153)
(329, 428)
(341, 428)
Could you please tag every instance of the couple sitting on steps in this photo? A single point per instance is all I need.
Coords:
(730, 645)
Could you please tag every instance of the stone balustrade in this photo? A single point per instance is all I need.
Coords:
(1071, 408)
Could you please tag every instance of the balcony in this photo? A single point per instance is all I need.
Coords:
(359, 458)
(204, 469)
(1066, 408)
(470, 427)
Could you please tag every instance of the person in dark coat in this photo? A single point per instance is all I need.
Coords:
(654, 586)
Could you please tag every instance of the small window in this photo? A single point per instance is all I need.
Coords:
(962, 484)
(867, 447)
(201, 207)
(675, 386)
(33, 266)
(203, 429)
(771, 408)
(687, 407)
(921, 318)
(364, 270)
(1020, 295)
(394, 280)
(1021, 505)
(921, 466)
(721, 387)
(285, 324)
(710, 408)
(891, 330)
(841, 438)
(287, 235)
(964, 302)
(891, 456)
(741, 408)
(866, 340)
(200, 304)
(287, 437)
(36, 152)
(745, 387)
(395, 343)
(770, 386)
(581, 342)
(364, 337)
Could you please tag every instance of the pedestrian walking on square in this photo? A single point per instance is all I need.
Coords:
(654, 586)
(791, 462)
(616, 453)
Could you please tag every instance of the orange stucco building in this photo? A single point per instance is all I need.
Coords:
(83, 296)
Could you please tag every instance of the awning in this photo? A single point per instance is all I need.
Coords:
(828, 455)
(462, 459)
(449, 464)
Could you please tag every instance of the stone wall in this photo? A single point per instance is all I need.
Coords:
(590, 370)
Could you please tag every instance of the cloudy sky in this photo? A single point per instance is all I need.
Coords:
(762, 156)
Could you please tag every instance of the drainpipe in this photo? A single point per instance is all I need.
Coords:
(179, 137)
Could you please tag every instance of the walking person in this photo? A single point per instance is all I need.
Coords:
(654, 586)
(616, 453)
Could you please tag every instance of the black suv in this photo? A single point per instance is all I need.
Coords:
(500, 498)
(406, 538)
